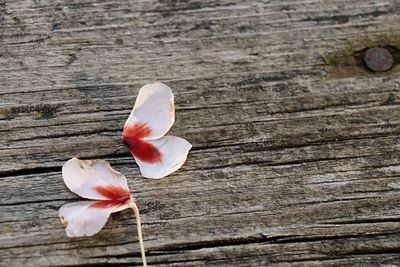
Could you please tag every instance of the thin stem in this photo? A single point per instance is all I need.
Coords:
(132, 204)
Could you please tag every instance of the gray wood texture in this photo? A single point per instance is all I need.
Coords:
(295, 158)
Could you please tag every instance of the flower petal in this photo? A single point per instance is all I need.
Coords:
(173, 153)
(86, 218)
(153, 113)
(94, 179)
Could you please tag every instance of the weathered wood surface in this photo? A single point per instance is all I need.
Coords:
(295, 158)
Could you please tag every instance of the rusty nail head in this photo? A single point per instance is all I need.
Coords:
(378, 59)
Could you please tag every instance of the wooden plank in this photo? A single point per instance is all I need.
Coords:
(295, 158)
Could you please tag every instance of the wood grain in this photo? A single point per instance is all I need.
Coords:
(295, 158)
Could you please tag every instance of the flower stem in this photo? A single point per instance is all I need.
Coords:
(133, 205)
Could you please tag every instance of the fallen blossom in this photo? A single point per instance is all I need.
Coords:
(144, 133)
(108, 191)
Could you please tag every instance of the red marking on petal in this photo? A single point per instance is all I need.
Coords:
(144, 151)
(137, 131)
(112, 192)
(105, 204)
(141, 149)
(117, 196)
